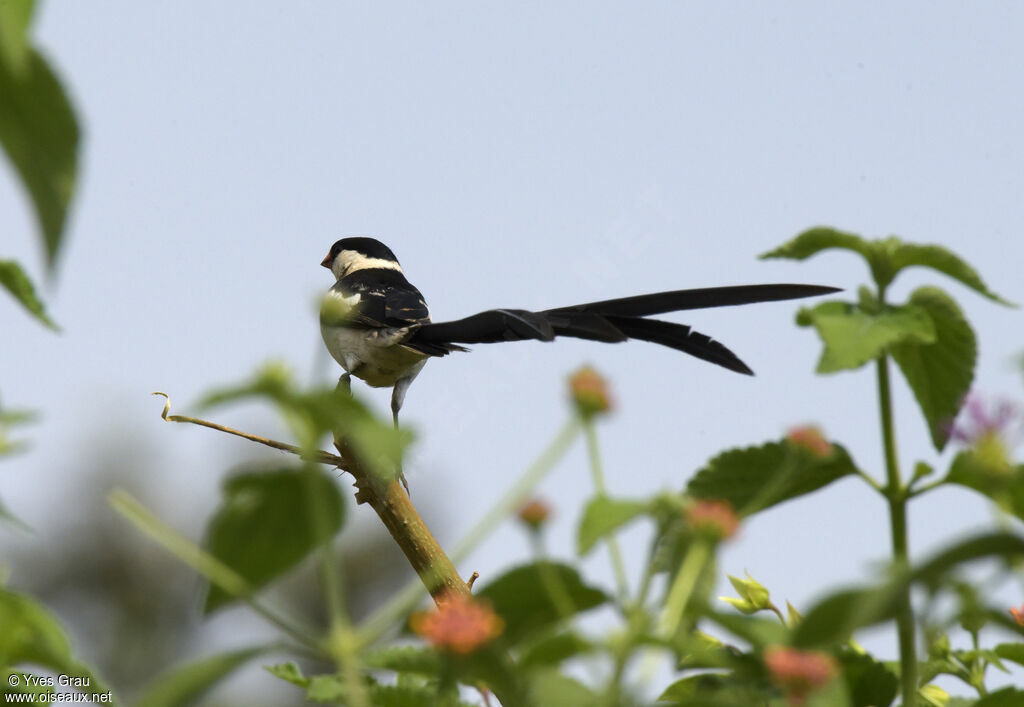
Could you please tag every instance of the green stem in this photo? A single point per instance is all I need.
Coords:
(897, 497)
(215, 571)
(597, 472)
(683, 585)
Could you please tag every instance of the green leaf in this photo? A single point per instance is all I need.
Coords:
(552, 689)
(266, 524)
(554, 649)
(31, 634)
(14, 279)
(994, 545)
(603, 516)
(853, 337)
(1007, 697)
(39, 132)
(814, 240)
(536, 595)
(404, 659)
(1013, 652)
(885, 257)
(939, 372)
(755, 478)
(15, 17)
(936, 257)
(835, 618)
(756, 631)
(183, 685)
(716, 690)
(1004, 487)
(868, 682)
(289, 672)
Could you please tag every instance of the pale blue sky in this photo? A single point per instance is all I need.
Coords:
(527, 156)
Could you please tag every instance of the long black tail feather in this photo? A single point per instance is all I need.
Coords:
(611, 321)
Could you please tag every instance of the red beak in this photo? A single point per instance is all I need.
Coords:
(326, 262)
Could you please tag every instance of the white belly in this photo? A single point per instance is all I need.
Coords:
(375, 356)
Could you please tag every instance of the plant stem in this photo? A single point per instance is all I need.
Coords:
(597, 472)
(897, 497)
(404, 601)
(683, 585)
(215, 571)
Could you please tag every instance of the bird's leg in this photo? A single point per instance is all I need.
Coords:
(345, 383)
(397, 396)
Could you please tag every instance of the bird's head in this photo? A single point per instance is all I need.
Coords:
(351, 254)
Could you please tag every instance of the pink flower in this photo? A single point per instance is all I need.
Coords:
(799, 673)
(810, 438)
(460, 625)
(1017, 612)
(714, 518)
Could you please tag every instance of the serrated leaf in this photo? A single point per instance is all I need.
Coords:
(265, 524)
(939, 372)
(183, 685)
(853, 337)
(39, 132)
(1004, 488)
(289, 672)
(603, 516)
(814, 240)
(326, 688)
(755, 478)
(885, 257)
(868, 682)
(904, 255)
(15, 281)
(536, 595)
(549, 688)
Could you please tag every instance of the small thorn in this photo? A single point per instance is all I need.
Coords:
(472, 579)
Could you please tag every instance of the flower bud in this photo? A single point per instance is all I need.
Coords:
(713, 519)
(589, 392)
(799, 673)
(535, 513)
(811, 439)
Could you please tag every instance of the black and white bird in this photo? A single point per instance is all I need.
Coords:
(377, 325)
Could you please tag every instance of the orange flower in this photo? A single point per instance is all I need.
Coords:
(714, 518)
(799, 673)
(535, 513)
(1017, 612)
(589, 392)
(460, 625)
(810, 438)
